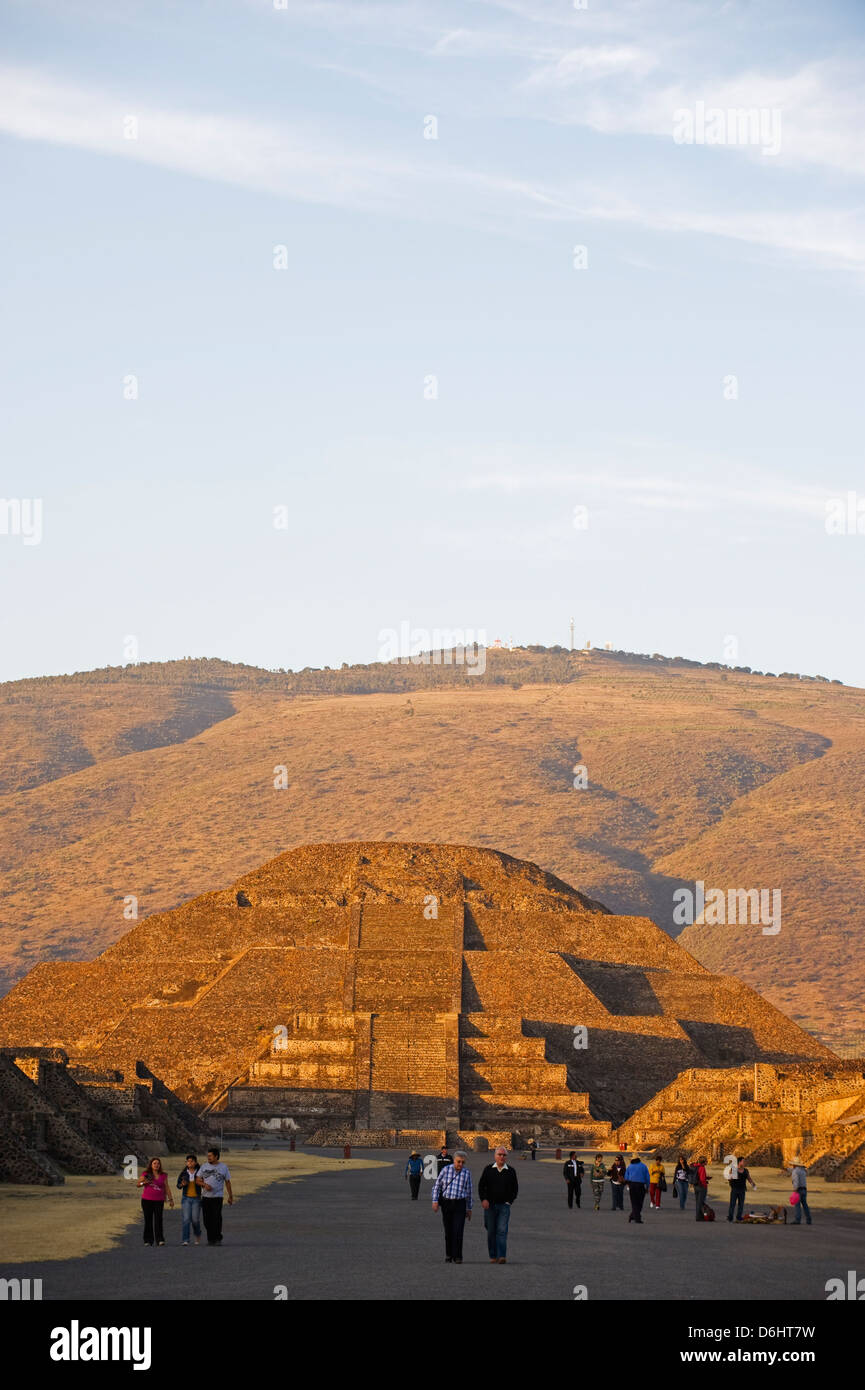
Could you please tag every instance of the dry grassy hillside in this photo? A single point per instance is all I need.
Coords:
(159, 783)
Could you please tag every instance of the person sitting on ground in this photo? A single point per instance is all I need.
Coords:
(778, 1213)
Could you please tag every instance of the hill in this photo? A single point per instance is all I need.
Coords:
(155, 783)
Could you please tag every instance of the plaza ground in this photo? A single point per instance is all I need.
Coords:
(321, 1227)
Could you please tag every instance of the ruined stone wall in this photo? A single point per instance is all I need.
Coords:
(35, 1124)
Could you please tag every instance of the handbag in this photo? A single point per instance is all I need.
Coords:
(663, 1183)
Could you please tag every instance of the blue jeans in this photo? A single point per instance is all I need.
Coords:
(190, 1208)
(496, 1218)
(683, 1195)
(802, 1205)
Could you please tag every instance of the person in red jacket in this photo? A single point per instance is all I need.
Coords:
(701, 1185)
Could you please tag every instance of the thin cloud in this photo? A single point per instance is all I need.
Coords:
(593, 63)
(300, 163)
(658, 492)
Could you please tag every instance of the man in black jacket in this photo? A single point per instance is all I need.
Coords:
(497, 1190)
(573, 1171)
(443, 1159)
(739, 1176)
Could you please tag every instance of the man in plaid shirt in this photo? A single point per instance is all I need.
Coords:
(452, 1191)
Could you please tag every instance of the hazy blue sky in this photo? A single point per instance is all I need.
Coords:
(605, 386)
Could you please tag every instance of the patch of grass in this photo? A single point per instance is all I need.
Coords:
(87, 1215)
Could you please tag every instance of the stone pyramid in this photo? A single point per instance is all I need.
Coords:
(402, 987)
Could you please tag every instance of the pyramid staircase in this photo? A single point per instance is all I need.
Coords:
(505, 1072)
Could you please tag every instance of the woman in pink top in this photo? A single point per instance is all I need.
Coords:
(156, 1189)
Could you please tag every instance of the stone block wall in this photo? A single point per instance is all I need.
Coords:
(394, 1019)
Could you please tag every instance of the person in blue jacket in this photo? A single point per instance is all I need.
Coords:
(637, 1179)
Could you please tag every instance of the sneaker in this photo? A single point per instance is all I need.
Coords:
(186, 1242)
(502, 1260)
(160, 1242)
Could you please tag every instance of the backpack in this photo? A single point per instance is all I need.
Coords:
(694, 1175)
(708, 1214)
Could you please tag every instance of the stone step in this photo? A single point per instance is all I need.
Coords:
(562, 1102)
(513, 1076)
(293, 1049)
(494, 1048)
(303, 1075)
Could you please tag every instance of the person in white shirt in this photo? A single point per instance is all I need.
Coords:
(215, 1179)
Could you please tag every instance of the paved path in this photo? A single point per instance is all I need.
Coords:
(358, 1236)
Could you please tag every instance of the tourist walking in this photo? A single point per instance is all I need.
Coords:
(597, 1177)
(443, 1159)
(414, 1173)
(799, 1179)
(498, 1190)
(700, 1180)
(657, 1182)
(680, 1181)
(637, 1178)
(155, 1184)
(452, 1191)
(215, 1180)
(533, 1145)
(573, 1172)
(616, 1174)
(738, 1182)
(189, 1184)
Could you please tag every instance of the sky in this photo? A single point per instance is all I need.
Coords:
(325, 321)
